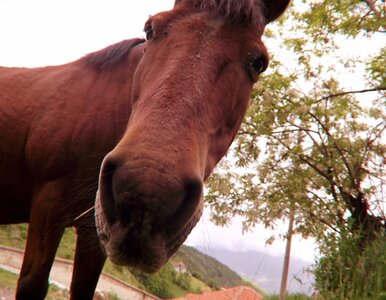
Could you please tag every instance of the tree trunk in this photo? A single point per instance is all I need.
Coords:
(284, 276)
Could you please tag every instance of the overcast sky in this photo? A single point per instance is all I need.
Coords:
(38, 33)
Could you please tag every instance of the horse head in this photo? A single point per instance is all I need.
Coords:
(189, 95)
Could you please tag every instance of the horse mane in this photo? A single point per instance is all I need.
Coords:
(241, 12)
(111, 55)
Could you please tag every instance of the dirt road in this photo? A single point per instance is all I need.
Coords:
(11, 259)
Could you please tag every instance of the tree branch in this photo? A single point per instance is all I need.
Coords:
(370, 141)
(317, 217)
(324, 222)
(377, 89)
(337, 148)
(304, 158)
(371, 4)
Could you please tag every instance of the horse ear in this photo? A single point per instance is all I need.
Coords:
(273, 9)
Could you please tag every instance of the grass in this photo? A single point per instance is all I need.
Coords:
(199, 286)
(55, 293)
(112, 296)
(16, 235)
(176, 291)
(257, 288)
(66, 248)
(121, 273)
(8, 280)
(13, 235)
(288, 297)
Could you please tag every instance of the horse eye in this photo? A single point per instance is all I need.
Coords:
(149, 32)
(258, 65)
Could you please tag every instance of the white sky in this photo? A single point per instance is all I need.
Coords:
(39, 33)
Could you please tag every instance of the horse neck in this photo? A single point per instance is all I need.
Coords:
(110, 92)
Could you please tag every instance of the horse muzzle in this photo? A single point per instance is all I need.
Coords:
(145, 209)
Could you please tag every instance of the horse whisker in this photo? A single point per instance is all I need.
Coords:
(83, 213)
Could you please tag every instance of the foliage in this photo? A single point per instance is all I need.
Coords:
(345, 272)
(349, 18)
(184, 281)
(288, 297)
(198, 286)
(158, 284)
(314, 140)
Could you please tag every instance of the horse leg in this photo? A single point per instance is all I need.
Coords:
(44, 233)
(88, 264)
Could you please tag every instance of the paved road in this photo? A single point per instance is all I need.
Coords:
(11, 259)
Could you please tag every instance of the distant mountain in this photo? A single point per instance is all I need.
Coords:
(265, 269)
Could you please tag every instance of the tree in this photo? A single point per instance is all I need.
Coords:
(311, 142)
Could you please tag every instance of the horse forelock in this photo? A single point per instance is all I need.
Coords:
(241, 12)
(111, 55)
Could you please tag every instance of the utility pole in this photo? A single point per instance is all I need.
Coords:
(284, 275)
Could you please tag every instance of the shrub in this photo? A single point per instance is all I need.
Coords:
(348, 270)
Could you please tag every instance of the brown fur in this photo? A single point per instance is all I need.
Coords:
(142, 131)
(242, 12)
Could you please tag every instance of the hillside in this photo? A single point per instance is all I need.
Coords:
(203, 272)
(206, 268)
(265, 269)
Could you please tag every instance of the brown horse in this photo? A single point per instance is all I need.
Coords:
(157, 116)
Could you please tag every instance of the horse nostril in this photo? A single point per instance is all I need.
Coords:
(190, 207)
(104, 237)
(106, 187)
(193, 193)
(193, 190)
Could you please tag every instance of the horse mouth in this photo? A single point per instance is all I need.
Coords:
(144, 243)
